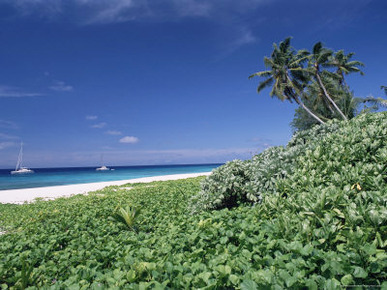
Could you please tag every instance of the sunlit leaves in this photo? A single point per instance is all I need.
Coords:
(127, 216)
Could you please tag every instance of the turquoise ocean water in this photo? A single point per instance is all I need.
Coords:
(61, 176)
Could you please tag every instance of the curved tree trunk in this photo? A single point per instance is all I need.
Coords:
(328, 97)
(299, 102)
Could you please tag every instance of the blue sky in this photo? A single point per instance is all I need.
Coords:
(162, 82)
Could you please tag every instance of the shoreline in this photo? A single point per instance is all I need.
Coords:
(20, 196)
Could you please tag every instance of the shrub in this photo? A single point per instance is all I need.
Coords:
(337, 154)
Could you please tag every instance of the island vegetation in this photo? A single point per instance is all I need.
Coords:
(309, 215)
(316, 82)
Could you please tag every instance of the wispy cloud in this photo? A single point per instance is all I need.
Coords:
(241, 36)
(6, 136)
(8, 124)
(232, 16)
(99, 125)
(193, 8)
(6, 144)
(259, 141)
(108, 11)
(245, 36)
(113, 132)
(129, 140)
(13, 92)
(61, 86)
(91, 117)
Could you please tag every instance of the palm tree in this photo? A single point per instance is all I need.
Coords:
(344, 65)
(320, 58)
(285, 75)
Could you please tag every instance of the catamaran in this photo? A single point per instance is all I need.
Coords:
(20, 169)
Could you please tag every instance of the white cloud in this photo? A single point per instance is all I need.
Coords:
(99, 125)
(129, 140)
(60, 86)
(112, 10)
(8, 124)
(6, 136)
(192, 8)
(245, 37)
(239, 37)
(231, 15)
(262, 142)
(13, 92)
(7, 144)
(113, 132)
(90, 117)
(108, 11)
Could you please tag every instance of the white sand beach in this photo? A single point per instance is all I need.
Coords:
(19, 196)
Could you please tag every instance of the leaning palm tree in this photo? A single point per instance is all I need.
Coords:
(320, 58)
(285, 75)
(344, 65)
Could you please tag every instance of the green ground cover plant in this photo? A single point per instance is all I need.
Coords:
(315, 218)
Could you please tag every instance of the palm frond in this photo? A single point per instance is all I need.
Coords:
(127, 216)
(266, 73)
(376, 101)
(355, 63)
(266, 83)
(317, 48)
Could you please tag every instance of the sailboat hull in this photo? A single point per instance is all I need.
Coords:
(22, 171)
(102, 168)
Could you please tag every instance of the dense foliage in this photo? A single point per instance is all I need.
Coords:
(315, 218)
(335, 155)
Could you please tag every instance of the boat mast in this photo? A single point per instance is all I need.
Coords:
(20, 158)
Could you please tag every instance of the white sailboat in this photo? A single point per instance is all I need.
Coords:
(20, 169)
(103, 167)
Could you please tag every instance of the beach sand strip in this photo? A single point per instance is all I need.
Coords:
(19, 196)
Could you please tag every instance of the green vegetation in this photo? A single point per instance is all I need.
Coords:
(127, 216)
(333, 156)
(312, 214)
(316, 82)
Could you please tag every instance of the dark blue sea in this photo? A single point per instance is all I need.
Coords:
(61, 176)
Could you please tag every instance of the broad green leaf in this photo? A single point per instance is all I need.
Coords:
(248, 285)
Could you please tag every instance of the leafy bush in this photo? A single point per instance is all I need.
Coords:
(336, 154)
(229, 182)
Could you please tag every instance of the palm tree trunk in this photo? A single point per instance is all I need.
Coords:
(299, 102)
(328, 96)
(329, 106)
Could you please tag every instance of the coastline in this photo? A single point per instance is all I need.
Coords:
(20, 196)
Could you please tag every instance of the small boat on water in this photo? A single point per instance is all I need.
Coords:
(103, 167)
(20, 169)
